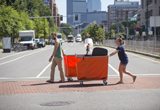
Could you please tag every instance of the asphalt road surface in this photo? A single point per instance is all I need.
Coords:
(33, 65)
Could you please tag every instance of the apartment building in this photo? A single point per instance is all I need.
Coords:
(49, 3)
(52, 5)
(122, 10)
(153, 10)
(76, 7)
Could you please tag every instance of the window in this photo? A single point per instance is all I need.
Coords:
(155, 1)
(159, 10)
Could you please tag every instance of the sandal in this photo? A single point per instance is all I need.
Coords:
(49, 81)
(134, 78)
(61, 81)
(120, 82)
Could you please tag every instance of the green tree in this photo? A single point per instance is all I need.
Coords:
(67, 30)
(121, 27)
(90, 31)
(10, 24)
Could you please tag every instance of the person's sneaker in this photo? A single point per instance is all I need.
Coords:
(134, 78)
(120, 82)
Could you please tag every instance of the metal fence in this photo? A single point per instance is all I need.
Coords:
(143, 46)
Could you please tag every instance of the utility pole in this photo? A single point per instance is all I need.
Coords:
(127, 23)
(44, 28)
(147, 21)
(118, 27)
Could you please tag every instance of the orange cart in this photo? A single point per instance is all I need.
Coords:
(88, 67)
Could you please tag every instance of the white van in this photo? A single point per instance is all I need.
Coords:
(27, 38)
(79, 38)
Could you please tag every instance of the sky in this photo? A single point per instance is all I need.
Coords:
(62, 8)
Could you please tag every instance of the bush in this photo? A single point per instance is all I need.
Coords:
(0, 44)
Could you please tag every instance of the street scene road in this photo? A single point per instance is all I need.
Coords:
(23, 83)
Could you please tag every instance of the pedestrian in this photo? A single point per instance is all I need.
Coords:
(57, 60)
(87, 49)
(123, 60)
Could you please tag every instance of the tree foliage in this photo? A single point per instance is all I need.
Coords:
(67, 29)
(14, 17)
(95, 32)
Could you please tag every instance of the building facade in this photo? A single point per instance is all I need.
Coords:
(55, 13)
(49, 3)
(153, 10)
(93, 5)
(122, 10)
(97, 16)
(52, 5)
(76, 7)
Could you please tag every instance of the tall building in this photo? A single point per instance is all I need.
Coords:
(97, 16)
(54, 9)
(122, 10)
(49, 3)
(153, 10)
(76, 7)
(93, 5)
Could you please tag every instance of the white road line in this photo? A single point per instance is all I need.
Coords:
(16, 54)
(22, 57)
(45, 68)
(12, 55)
(113, 69)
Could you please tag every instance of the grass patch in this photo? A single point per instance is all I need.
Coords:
(97, 45)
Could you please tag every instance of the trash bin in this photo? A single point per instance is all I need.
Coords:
(6, 42)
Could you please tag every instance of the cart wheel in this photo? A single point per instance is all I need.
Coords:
(105, 82)
(81, 83)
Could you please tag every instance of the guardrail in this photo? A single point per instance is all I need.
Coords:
(151, 47)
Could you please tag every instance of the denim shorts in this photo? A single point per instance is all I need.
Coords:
(124, 64)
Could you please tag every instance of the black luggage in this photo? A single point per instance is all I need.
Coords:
(98, 51)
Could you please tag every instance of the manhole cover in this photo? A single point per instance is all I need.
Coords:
(59, 103)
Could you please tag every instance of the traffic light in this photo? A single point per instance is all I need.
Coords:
(76, 17)
(137, 28)
(61, 18)
(119, 28)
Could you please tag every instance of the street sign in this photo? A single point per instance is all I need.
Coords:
(137, 33)
(150, 32)
(143, 33)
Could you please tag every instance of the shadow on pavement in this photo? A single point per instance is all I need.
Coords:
(84, 85)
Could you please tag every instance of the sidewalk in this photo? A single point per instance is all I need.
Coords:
(147, 54)
(33, 87)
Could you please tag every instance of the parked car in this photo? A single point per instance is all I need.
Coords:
(42, 43)
(37, 42)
